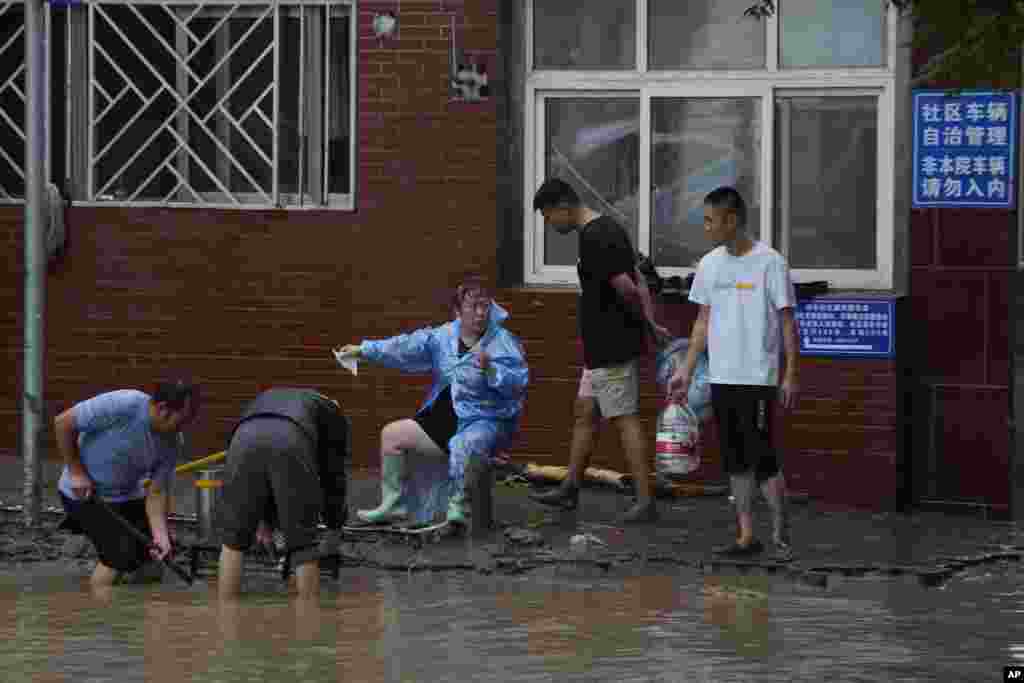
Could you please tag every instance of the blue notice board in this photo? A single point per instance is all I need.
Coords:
(964, 149)
(859, 328)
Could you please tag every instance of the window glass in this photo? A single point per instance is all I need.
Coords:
(831, 34)
(584, 34)
(593, 145)
(827, 181)
(697, 146)
(704, 34)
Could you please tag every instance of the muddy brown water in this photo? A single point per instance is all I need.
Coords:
(557, 622)
(552, 624)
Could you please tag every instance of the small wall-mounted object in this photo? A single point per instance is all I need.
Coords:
(468, 77)
(56, 237)
(384, 25)
(469, 82)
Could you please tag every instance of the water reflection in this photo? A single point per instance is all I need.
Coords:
(574, 627)
(738, 606)
(557, 624)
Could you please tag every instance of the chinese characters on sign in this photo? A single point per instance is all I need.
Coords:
(846, 327)
(964, 149)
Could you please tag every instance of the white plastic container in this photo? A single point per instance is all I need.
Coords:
(676, 443)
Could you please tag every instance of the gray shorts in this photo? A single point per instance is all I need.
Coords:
(271, 477)
(615, 388)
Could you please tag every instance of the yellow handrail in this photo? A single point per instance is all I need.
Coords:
(194, 465)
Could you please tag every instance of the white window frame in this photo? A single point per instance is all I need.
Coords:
(217, 200)
(763, 83)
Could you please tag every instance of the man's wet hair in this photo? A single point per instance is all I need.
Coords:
(729, 198)
(176, 393)
(553, 193)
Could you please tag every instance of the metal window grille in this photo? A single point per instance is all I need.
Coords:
(219, 103)
(12, 101)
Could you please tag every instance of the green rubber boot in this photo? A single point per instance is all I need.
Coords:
(392, 507)
(457, 508)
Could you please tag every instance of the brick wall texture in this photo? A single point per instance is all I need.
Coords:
(247, 300)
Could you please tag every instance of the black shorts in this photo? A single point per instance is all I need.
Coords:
(439, 420)
(115, 547)
(744, 416)
(271, 476)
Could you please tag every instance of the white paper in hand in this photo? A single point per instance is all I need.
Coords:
(350, 363)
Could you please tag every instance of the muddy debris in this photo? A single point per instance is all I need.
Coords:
(523, 537)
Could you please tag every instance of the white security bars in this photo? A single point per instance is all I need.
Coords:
(12, 101)
(221, 104)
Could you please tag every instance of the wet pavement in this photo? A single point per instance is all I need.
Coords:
(929, 547)
(829, 543)
(869, 597)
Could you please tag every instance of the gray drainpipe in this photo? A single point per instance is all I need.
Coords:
(35, 258)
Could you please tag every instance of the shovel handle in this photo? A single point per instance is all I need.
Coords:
(141, 537)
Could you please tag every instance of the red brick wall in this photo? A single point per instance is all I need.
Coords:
(842, 441)
(244, 300)
(960, 278)
(546, 320)
(962, 263)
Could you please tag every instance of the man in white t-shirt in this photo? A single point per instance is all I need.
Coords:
(746, 320)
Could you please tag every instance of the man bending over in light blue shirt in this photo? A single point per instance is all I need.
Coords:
(110, 445)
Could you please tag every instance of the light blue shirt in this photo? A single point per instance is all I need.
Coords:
(118, 448)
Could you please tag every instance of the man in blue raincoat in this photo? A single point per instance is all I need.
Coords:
(471, 411)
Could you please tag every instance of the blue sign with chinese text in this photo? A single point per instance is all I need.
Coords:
(964, 149)
(863, 328)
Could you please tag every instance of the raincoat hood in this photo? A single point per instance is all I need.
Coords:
(495, 319)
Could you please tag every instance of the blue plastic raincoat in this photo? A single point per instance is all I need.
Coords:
(487, 404)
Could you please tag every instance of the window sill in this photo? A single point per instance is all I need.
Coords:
(882, 294)
(543, 288)
(114, 204)
(682, 296)
(677, 296)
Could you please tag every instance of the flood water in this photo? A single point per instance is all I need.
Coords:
(557, 624)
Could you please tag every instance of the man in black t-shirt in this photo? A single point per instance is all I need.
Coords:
(615, 314)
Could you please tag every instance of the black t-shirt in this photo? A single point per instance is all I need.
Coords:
(612, 333)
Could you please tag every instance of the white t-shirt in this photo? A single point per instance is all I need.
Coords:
(745, 294)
